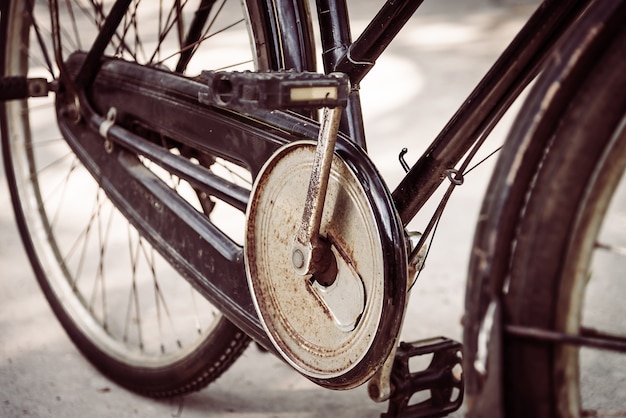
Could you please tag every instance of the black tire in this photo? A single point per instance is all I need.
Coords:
(125, 309)
(557, 239)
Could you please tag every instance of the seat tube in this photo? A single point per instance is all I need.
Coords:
(334, 24)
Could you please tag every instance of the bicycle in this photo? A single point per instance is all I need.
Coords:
(170, 152)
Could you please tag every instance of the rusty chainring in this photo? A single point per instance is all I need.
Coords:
(337, 334)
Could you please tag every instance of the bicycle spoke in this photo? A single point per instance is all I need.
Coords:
(179, 23)
(127, 24)
(106, 281)
(81, 236)
(99, 291)
(133, 295)
(52, 164)
(160, 303)
(184, 51)
(43, 143)
(70, 11)
(97, 18)
(587, 337)
(64, 185)
(602, 413)
(195, 28)
(41, 43)
(611, 341)
(616, 249)
(228, 67)
(194, 304)
(170, 23)
(81, 242)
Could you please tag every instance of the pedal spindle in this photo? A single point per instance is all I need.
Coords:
(440, 383)
(274, 90)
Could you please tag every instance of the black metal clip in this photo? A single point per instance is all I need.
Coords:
(441, 383)
(403, 162)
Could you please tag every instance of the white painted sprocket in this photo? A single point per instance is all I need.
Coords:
(334, 335)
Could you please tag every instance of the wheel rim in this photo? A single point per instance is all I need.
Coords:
(597, 251)
(115, 288)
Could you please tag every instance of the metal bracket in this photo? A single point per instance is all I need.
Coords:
(104, 128)
(379, 387)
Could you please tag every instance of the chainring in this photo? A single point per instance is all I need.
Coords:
(337, 335)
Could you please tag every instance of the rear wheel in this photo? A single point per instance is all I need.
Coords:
(125, 308)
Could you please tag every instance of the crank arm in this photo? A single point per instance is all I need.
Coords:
(309, 253)
(293, 90)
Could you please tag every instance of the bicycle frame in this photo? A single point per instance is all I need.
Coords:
(516, 67)
(220, 276)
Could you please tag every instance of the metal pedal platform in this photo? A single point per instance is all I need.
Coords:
(440, 385)
(12, 88)
(275, 90)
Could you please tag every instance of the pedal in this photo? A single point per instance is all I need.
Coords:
(12, 88)
(440, 385)
(275, 90)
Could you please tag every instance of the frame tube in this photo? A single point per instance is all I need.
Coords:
(515, 68)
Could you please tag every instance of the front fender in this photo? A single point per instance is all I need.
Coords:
(525, 147)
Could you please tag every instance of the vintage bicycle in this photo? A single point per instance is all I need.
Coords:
(194, 200)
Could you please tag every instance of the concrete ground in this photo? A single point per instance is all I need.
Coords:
(413, 91)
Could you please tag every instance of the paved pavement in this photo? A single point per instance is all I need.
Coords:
(417, 86)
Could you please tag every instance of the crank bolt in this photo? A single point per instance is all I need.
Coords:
(297, 259)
